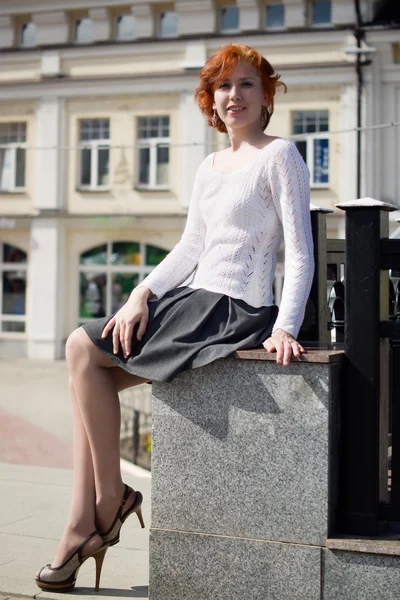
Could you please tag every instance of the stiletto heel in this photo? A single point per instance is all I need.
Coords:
(99, 558)
(111, 536)
(140, 516)
(63, 578)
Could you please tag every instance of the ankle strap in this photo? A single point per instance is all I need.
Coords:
(124, 499)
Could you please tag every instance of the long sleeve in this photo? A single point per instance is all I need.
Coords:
(290, 188)
(180, 263)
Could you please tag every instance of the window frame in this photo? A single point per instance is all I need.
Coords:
(75, 24)
(265, 21)
(310, 11)
(160, 12)
(221, 7)
(310, 138)
(14, 146)
(21, 27)
(142, 269)
(9, 266)
(119, 16)
(152, 143)
(94, 146)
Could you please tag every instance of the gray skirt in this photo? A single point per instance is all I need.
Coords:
(187, 329)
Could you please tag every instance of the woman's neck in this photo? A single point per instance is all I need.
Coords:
(245, 138)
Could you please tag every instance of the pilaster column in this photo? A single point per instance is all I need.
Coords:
(144, 26)
(46, 289)
(249, 14)
(348, 143)
(101, 24)
(7, 36)
(343, 12)
(295, 13)
(49, 192)
(51, 28)
(195, 17)
(193, 138)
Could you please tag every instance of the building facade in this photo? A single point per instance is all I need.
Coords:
(100, 137)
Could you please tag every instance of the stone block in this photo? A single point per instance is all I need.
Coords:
(240, 448)
(360, 576)
(203, 567)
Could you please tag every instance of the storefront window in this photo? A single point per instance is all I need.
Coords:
(108, 274)
(13, 262)
(95, 256)
(92, 295)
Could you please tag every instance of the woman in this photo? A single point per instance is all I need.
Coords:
(211, 296)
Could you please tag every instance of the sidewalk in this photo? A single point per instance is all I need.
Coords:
(33, 506)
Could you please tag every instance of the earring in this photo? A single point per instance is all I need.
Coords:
(264, 117)
(214, 119)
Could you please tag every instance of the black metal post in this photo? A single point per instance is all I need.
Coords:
(395, 393)
(362, 467)
(135, 436)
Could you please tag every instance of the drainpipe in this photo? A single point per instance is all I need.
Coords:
(358, 34)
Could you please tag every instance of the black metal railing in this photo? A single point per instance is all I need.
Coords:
(355, 299)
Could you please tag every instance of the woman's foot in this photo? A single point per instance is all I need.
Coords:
(62, 578)
(70, 541)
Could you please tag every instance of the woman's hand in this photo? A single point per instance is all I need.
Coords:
(134, 312)
(284, 345)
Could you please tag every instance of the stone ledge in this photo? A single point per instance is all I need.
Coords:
(380, 545)
(313, 355)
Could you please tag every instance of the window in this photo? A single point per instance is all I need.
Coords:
(229, 18)
(125, 27)
(27, 35)
(13, 263)
(274, 16)
(168, 23)
(153, 142)
(312, 125)
(321, 12)
(94, 154)
(83, 31)
(108, 273)
(12, 156)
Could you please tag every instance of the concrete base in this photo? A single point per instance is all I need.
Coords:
(206, 567)
(244, 455)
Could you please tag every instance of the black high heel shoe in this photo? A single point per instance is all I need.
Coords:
(111, 536)
(63, 578)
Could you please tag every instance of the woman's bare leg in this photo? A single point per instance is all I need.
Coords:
(81, 517)
(93, 444)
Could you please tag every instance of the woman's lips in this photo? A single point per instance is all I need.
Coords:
(236, 111)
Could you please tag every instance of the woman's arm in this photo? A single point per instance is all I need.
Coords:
(183, 258)
(290, 187)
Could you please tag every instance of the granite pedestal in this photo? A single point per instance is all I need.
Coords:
(243, 478)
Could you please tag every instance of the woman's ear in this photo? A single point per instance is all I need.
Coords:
(214, 106)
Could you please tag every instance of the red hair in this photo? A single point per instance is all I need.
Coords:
(218, 67)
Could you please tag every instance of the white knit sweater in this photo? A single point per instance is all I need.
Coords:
(235, 225)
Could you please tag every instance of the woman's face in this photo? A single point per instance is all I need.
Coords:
(239, 98)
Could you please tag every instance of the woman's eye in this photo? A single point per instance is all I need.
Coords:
(223, 85)
(247, 83)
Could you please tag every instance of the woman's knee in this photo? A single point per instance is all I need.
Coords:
(77, 346)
